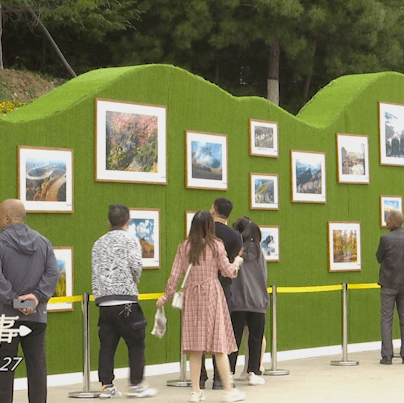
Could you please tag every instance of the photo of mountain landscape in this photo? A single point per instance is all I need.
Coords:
(206, 156)
(308, 176)
(46, 179)
(391, 120)
(264, 191)
(130, 142)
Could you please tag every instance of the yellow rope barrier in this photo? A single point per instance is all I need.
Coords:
(280, 290)
(297, 290)
(363, 286)
(58, 300)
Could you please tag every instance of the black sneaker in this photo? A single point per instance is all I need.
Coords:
(386, 361)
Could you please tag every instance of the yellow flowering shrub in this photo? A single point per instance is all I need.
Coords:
(9, 106)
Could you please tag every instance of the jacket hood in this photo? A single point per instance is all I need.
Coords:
(250, 252)
(21, 238)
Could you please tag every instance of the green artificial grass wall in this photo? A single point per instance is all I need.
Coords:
(65, 118)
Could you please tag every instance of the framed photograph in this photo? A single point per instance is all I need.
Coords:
(206, 160)
(391, 127)
(388, 203)
(145, 225)
(353, 158)
(264, 138)
(45, 179)
(264, 191)
(189, 215)
(130, 142)
(308, 176)
(64, 287)
(344, 246)
(270, 242)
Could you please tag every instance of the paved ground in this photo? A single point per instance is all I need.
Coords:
(310, 380)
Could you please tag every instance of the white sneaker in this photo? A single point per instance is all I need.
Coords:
(110, 392)
(242, 377)
(254, 379)
(234, 395)
(140, 391)
(197, 397)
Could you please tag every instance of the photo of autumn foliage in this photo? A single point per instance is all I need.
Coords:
(64, 287)
(131, 142)
(344, 246)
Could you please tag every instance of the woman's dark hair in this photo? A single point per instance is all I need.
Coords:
(249, 231)
(201, 234)
(240, 224)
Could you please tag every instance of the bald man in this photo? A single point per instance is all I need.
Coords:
(28, 271)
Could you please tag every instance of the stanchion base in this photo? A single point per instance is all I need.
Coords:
(276, 372)
(85, 395)
(179, 383)
(345, 363)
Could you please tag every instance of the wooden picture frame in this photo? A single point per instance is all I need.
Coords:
(264, 191)
(353, 158)
(344, 246)
(145, 225)
(264, 138)
(189, 215)
(391, 136)
(270, 242)
(388, 203)
(130, 142)
(45, 179)
(206, 161)
(308, 176)
(64, 287)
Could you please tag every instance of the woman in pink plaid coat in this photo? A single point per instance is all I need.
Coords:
(206, 324)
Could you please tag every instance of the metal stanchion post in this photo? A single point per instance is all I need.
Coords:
(182, 382)
(274, 370)
(344, 361)
(86, 373)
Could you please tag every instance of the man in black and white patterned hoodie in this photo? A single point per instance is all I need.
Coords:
(116, 269)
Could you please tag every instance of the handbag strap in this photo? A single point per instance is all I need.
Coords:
(186, 276)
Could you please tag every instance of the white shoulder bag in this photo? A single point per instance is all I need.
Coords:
(179, 295)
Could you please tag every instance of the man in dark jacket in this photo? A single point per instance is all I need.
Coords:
(28, 271)
(220, 210)
(390, 255)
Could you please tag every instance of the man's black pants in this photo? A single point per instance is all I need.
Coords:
(33, 347)
(126, 321)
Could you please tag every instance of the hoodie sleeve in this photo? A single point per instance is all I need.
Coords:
(6, 289)
(47, 285)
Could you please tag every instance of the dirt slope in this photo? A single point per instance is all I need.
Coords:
(24, 86)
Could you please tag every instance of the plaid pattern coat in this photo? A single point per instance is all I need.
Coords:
(206, 324)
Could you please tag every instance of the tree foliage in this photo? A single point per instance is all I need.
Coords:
(238, 44)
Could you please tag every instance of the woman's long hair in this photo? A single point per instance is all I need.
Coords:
(249, 231)
(201, 234)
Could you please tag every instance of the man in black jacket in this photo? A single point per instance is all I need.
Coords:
(28, 271)
(390, 255)
(233, 243)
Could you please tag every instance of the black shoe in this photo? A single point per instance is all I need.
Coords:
(217, 384)
(201, 384)
(386, 361)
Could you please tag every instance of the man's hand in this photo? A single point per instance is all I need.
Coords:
(28, 311)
